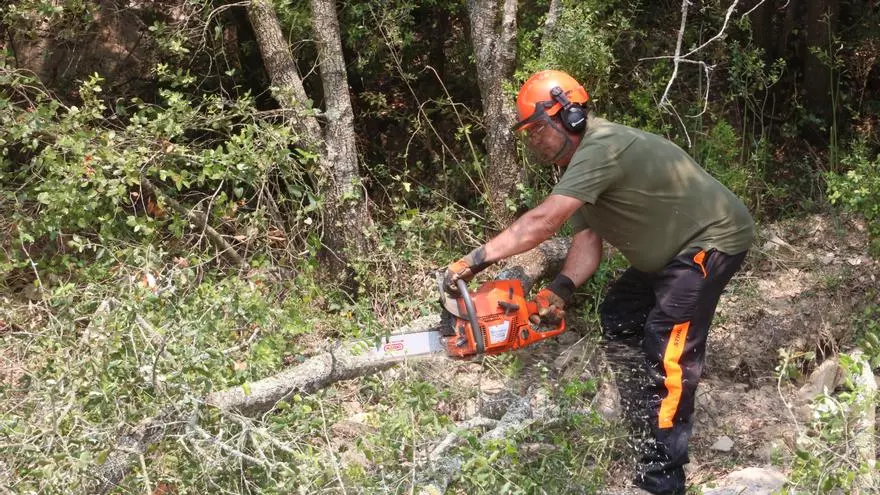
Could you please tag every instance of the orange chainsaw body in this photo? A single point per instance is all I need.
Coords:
(501, 313)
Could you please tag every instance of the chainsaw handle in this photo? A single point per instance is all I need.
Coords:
(472, 316)
(532, 307)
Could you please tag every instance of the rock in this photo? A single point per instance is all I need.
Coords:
(353, 427)
(607, 400)
(749, 481)
(823, 379)
(723, 444)
(491, 386)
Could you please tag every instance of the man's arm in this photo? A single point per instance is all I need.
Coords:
(580, 264)
(583, 256)
(533, 228)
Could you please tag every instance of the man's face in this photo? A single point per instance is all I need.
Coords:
(549, 142)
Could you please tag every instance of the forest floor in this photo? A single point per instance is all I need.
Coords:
(794, 305)
(789, 309)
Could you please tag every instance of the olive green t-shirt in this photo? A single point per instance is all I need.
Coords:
(650, 199)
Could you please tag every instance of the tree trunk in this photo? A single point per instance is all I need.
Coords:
(495, 50)
(349, 219)
(553, 12)
(762, 28)
(283, 73)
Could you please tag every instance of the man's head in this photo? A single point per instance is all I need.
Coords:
(552, 117)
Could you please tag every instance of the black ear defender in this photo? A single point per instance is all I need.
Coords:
(573, 116)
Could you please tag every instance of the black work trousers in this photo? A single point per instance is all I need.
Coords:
(655, 329)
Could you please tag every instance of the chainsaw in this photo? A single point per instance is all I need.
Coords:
(490, 320)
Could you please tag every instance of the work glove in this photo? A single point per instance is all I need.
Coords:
(464, 269)
(551, 301)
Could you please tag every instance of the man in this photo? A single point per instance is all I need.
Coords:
(683, 232)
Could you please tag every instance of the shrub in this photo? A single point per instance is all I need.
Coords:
(858, 189)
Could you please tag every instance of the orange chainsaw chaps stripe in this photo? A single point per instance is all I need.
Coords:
(699, 258)
(673, 381)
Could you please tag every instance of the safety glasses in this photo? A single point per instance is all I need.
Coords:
(544, 138)
(540, 114)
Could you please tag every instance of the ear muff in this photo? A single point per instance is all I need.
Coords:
(572, 115)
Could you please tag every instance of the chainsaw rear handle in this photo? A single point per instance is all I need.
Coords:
(472, 316)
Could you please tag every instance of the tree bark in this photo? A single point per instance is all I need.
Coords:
(493, 34)
(553, 12)
(347, 219)
(349, 209)
(283, 73)
(762, 28)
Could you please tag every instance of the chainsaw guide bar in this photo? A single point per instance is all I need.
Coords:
(491, 320)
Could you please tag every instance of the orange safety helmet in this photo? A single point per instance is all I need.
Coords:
(546, 93)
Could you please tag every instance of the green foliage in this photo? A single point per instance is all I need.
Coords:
(101, 348)
(594, 289)
(824, 458)
(74, 174)
(68, 19)
(141, 352)
(718, 153)
(867, 331)
(580, 43)
(858, 189)
(569, 455)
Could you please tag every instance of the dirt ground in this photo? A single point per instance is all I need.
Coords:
(797, 291)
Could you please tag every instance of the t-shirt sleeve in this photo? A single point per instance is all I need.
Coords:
(591, 171)
(578, 221)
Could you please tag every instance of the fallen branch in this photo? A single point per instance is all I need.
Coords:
(449, 441)
(345, 363)
(444, 469)
(317, 372)
(200, 221)
(130, 447)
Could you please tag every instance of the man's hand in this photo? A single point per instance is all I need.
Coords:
(464, 269)
(551, 301)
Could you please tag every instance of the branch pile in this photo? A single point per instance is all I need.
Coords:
(320, 371)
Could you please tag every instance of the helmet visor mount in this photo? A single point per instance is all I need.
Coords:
(545, 138)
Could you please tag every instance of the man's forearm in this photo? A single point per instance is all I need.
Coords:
(533, 228)
(583, 256)
(524, 234)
